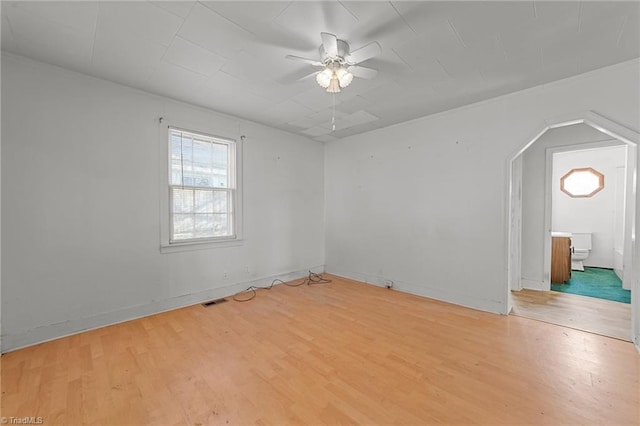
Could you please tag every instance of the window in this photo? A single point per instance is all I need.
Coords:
(582, 183)
(202, 187)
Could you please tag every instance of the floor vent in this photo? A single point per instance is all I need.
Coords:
(213, 302)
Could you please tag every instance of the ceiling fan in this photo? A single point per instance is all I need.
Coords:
(339, 63)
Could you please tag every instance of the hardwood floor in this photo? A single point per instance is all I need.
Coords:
(335, 353)
(590, 314)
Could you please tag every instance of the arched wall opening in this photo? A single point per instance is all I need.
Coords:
(514, 224)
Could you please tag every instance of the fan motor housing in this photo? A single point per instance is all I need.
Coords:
(343, 52)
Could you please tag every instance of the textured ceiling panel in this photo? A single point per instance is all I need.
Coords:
(309, 19)
(284, 112)
(304, 123)
(313, 99)
(142, 19)
(180, 8)
(316, 131)
(121, 57)
(354, 104)
(243, 12)
(226, 100)
(188, 55)
(35, 35)
(214, 32)
(169, 79)
(378, 21)
(230, 56)
(80, 16)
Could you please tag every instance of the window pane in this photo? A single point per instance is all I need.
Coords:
(220, 179)
(221, 225)
(175, 146)
(182, 200)
(204, 225)
(187, 173)
(202, 151)
(212, 201)
(200, 213)
(221, 202)
(201, 175)
(221, 165)
(204, 201)
(202, 169)
(183, 226)
(198, 162)
(176, 172)
(581, 183)
(187, 149)
(220, 155)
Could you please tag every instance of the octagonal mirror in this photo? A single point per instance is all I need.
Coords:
(582, 183)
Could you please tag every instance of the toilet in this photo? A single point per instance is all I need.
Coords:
(580, 249)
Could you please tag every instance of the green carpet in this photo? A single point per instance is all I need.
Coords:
(595, 282)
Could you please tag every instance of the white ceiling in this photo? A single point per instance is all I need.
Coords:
(230, 56)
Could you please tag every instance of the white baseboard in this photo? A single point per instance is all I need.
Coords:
(533, 284)
(456, 298)
(14, 341)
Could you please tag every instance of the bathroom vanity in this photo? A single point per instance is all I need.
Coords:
(560, 257)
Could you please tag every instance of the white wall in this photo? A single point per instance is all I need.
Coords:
(596, 215)
(515, 223)
(534, 271)
(81, 209)
(1, 347)
(423, 203)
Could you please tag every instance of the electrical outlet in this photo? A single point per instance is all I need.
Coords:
(248, 270)
(225, 275)
(388, 283)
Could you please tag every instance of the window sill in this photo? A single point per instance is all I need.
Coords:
(204, 245)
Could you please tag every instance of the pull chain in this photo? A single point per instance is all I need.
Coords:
(333, 114)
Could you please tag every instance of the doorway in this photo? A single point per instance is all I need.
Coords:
(529, 225)
(588, 204)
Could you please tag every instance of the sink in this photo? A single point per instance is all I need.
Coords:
(560, 234)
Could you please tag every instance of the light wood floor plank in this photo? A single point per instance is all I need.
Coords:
(605, 317)
(338, 353)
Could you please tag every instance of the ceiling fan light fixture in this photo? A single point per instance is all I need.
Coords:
(334, 85)
(337, 62)
(344, 77)
(324, 77)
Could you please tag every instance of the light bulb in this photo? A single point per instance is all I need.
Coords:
(344, 77)
(324, 77)
(334, 85)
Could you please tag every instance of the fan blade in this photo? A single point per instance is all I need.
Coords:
(308, 76)
(362, 72)
(330, 43)
(296, 76)
(365, 52)
(305, 60)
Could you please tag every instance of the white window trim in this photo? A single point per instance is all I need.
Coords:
(165, 220)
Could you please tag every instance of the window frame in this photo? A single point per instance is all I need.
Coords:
(167, 244)
(591, 170)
